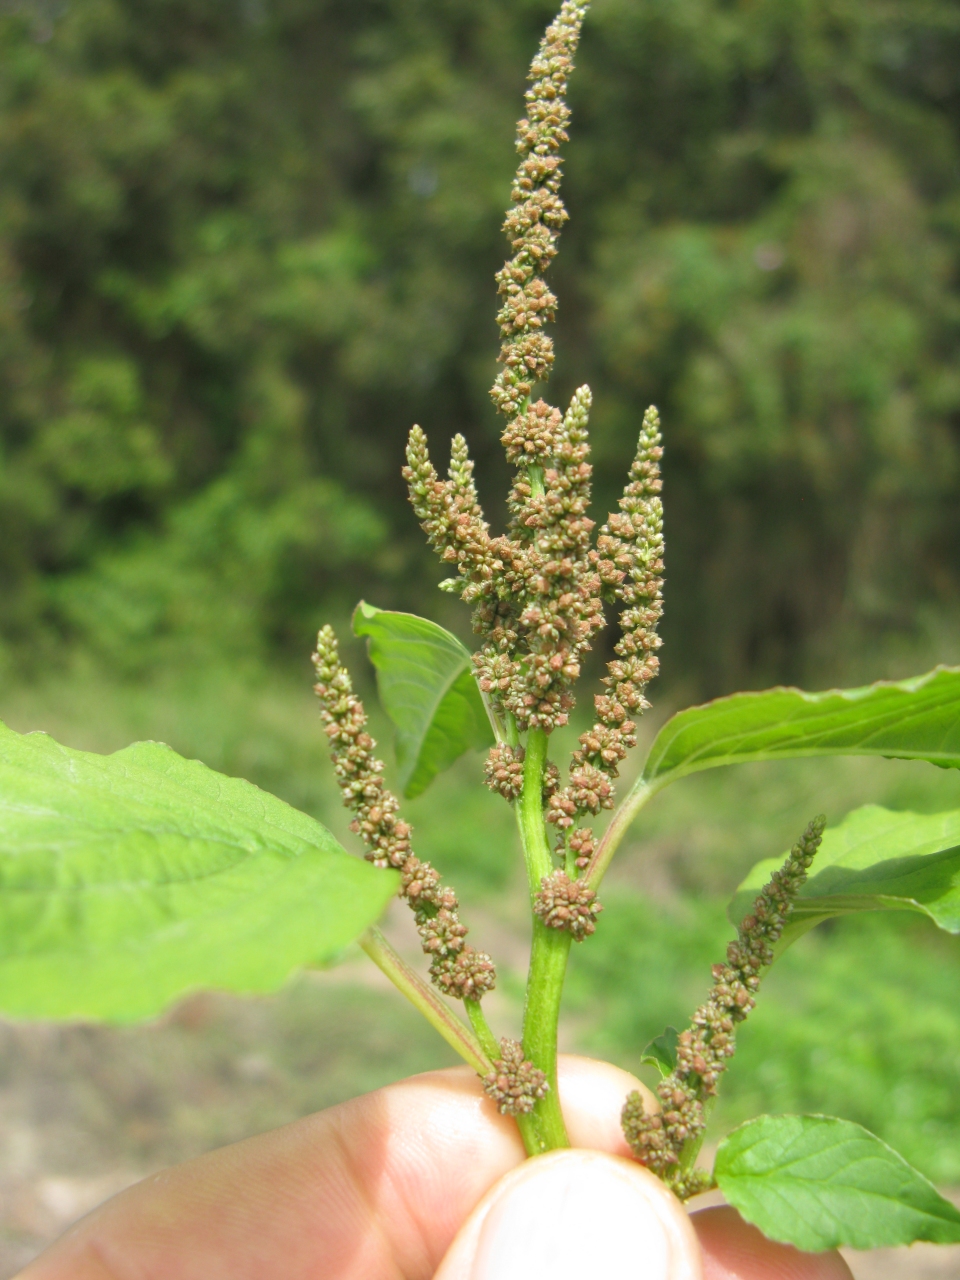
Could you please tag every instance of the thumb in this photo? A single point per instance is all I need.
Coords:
(575, 1214)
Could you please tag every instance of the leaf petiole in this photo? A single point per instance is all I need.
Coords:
(481, 1027)
(424, 998)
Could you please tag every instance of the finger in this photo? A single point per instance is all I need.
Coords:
(735, 1250)
(377, 1186)
(592, 1095)
(368, 1188)
(572, 1214)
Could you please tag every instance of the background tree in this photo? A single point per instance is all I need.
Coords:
(244, 245)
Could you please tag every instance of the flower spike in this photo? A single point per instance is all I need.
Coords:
(455, 967)
(705, 1049)
(533, 223)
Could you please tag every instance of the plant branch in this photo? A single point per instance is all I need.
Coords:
(423, 997)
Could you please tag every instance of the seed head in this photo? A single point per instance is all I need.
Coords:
(456, 968)
(515, 1084)
(706, 1047)
(562, 903)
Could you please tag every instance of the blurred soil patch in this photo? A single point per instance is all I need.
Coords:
(919, 1262)
(85, 1111)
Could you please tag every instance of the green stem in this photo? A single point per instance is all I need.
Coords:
(541, 1016)
(424, 998)
(526, 1124)
(533, 830)
(620, 823)
(478, 1020)
(542, 1130)
(570, 862)
(530, 1134)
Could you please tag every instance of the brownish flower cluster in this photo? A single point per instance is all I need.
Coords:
(455, 967)
(451, 517)
(536, 589)
(549, 607)
(582, 845)
(536, 217)
(630, 567)
(562, 903)
(703, 1051)
(514, 1084)
(503, 771)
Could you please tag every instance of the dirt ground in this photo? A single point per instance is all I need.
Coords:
(85, 1111)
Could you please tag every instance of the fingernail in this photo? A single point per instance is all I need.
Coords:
(579, 1215)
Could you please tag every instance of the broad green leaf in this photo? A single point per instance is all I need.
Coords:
(916, 719)
(127, 880)
(817, 1183)
(662, 1051)
(875, 860)
(427, 688)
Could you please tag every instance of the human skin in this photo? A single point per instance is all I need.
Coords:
(383, 1187)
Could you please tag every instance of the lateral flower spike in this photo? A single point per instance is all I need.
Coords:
(705, 1049)
(450, 514)
(456, 968)
(629, 563)
(514, 1084)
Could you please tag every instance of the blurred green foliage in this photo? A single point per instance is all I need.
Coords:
(245, 243)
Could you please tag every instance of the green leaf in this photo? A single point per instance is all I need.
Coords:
(662, 1051)
(916, 719)
(875, 860)
(817, 1183)
(427, 688)
(127, 880)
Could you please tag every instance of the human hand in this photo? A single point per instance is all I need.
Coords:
(421, 1175)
